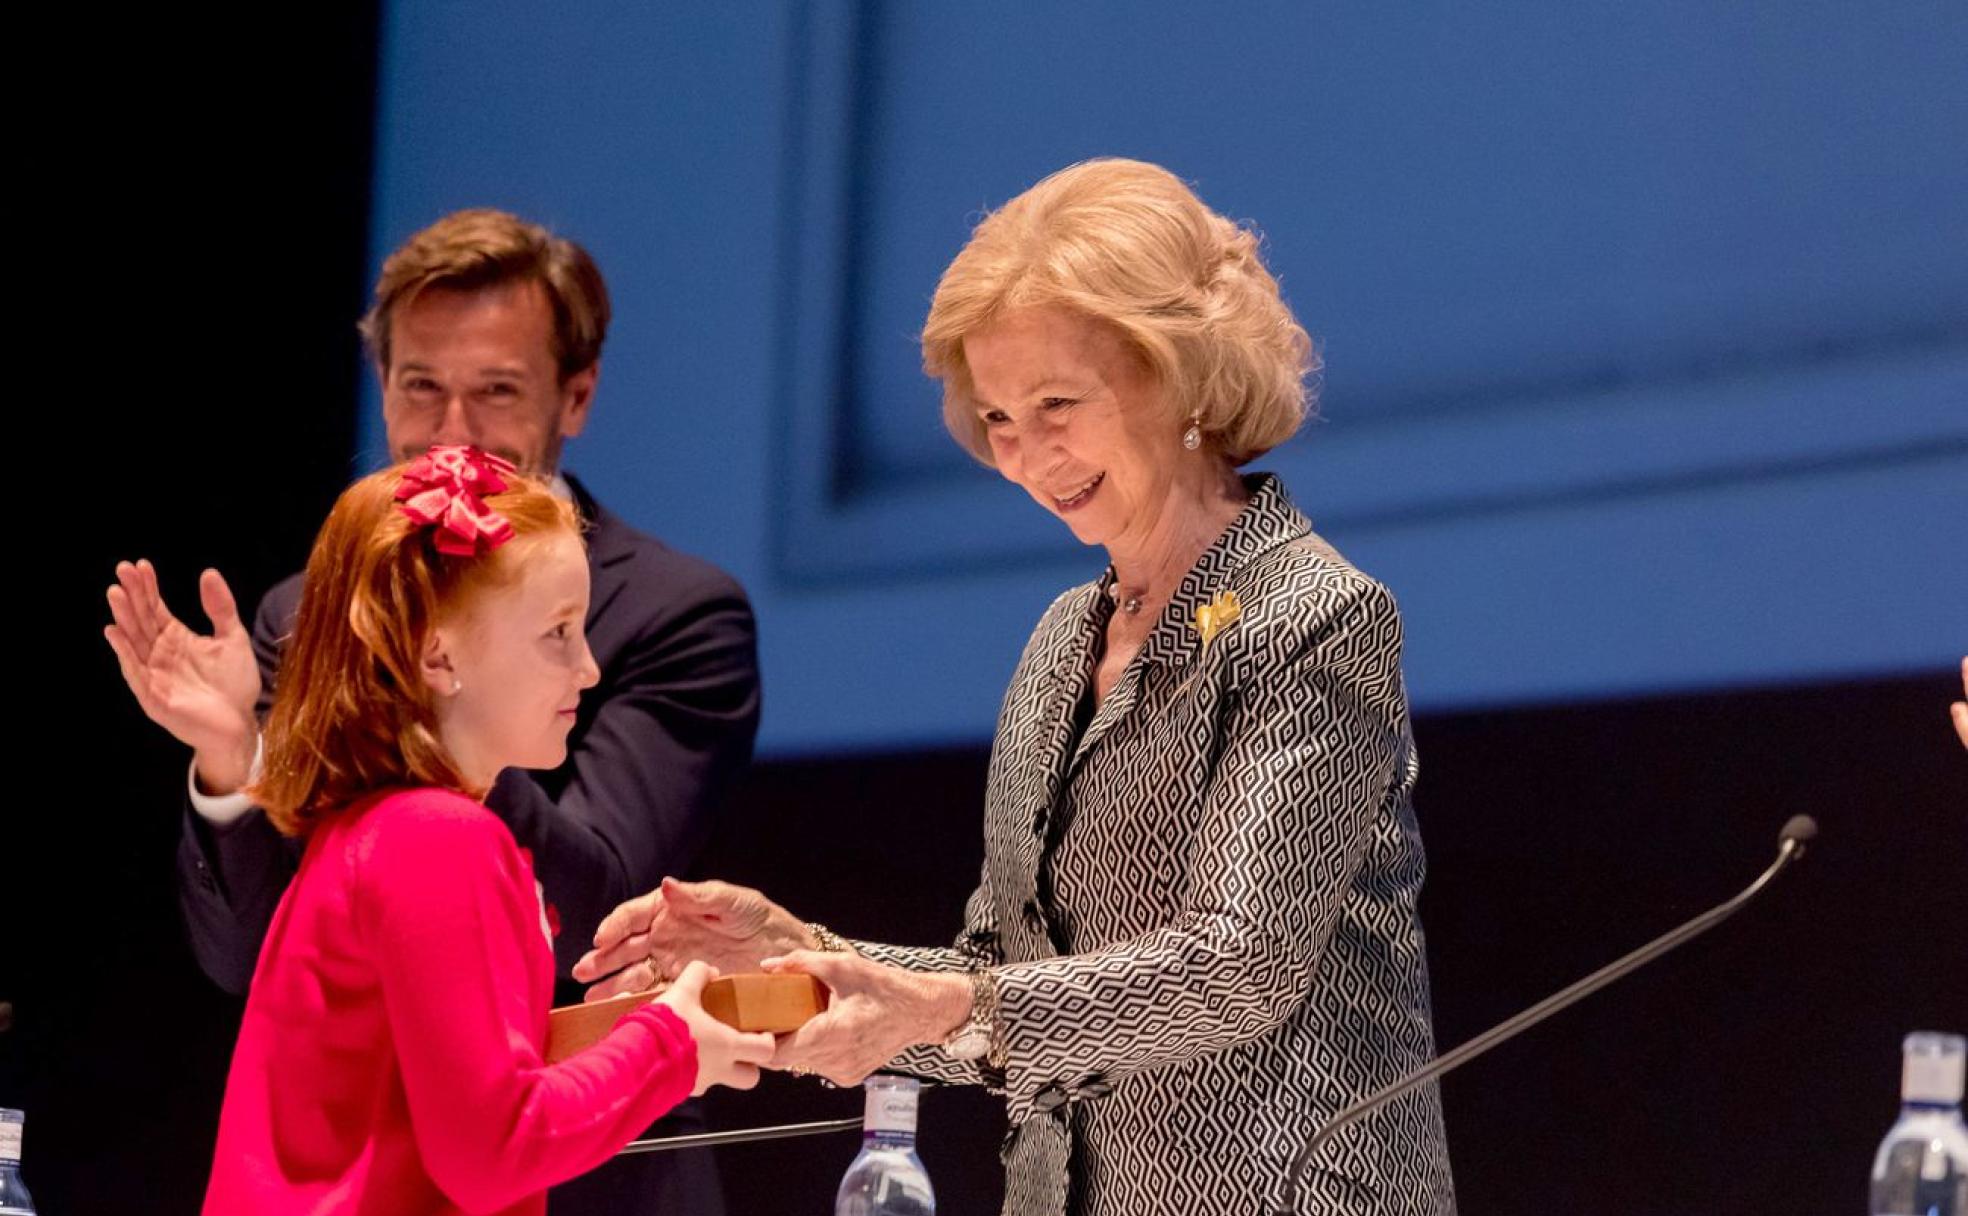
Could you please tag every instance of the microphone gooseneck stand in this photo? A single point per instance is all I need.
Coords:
(1797, 832)
(748, 1135)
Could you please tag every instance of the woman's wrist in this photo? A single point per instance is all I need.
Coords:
(945, 1006)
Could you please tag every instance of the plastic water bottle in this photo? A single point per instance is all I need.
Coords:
(887, 1178)
(14, 1200)
(1922, 1166)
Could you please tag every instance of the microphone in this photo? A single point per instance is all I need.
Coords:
(1799, 831)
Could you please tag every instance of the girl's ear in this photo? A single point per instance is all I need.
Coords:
(435, 665)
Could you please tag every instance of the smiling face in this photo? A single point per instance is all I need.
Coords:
(1074, 417)
(518, 655)
(477, 366)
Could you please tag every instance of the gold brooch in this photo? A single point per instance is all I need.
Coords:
(1216, 616)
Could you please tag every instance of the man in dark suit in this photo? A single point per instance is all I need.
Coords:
(486, 330)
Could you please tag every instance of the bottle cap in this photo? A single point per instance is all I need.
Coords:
(1932, 1066)
(891, 1104)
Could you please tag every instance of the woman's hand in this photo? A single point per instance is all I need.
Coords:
(724, 1056)
(876, 1013)
(651, 938)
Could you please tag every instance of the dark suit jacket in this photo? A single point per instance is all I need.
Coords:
(655, 741)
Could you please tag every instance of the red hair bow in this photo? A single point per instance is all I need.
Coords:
(445, 490)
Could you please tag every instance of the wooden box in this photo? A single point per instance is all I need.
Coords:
(775, 1003)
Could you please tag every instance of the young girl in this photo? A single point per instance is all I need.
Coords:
(390, 1056)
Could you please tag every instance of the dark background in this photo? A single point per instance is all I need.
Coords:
(200, 268)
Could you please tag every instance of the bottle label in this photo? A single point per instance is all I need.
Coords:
(891, 1110)
(10, 1137)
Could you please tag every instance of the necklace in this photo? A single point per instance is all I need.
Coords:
(1129, 603)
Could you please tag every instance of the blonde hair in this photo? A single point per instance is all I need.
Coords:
(1128, 244)
(472, 250)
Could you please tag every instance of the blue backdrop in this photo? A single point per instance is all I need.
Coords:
(1646, 326)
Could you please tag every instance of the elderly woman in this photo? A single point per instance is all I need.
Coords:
(1195, 936)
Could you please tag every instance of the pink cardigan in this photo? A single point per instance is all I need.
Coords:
(390, 1056)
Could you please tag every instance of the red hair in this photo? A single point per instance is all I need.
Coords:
(351, 711)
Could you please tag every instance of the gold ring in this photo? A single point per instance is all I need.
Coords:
(797, 1071)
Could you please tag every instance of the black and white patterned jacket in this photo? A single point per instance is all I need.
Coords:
(1201, 905)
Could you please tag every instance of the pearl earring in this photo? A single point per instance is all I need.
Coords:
(457, 686)
(1193, 437)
